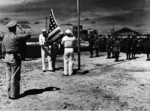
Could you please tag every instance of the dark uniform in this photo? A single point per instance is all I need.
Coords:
(54, 51)
(109, 46)
(97, 46)
(147, 48)
(103, 44)
(91, 43)
(11, 48)
(139, 46)
(116, 49)
(134, 46)
(128, 47)
(113, 53)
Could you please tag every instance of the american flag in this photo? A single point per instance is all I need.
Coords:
(55, 33)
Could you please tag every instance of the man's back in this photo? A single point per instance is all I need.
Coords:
(10, 43)
(69, 42)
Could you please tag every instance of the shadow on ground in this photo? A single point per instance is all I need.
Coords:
(38, 91)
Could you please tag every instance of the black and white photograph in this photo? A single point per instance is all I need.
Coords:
(74, 55)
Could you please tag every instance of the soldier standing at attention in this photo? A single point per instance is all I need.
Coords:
(128, 47)
(11, 48)
(134, 46)
(147, 47)
(91, 43)
(97, 46)
(116, 48)
(109, 46)
(69, 42)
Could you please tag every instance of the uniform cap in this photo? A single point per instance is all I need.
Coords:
(68, 31)
(44, 30)
(11, 24)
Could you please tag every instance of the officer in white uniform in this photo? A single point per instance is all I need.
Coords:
(69, 42)
(45, 51)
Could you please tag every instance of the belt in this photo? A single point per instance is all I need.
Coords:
(14, 53)
(10, 52)
(68, 47)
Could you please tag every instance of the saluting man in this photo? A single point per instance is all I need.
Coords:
(69, 42)
(11, 48)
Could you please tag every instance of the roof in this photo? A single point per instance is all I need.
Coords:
(126, 30)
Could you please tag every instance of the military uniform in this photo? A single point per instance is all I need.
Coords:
(116, 49)
(134, 46)
(11, 47)
(47, 50)
(147, 48)
(69, 42)
(53, 51)
(97, 47)
(109, 46)
(91, 44)
(128, 47)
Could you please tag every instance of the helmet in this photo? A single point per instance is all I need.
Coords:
(68, 32)
(44, 30)
(11, 24)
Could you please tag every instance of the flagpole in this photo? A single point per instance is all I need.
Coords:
(78, 34)
(46, 22)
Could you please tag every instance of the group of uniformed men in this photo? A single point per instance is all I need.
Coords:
(95, 43)
(113, 46)
(12, 48)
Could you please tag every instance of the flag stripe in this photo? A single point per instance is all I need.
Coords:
(55, 34)
(51, 33)
(60, 38)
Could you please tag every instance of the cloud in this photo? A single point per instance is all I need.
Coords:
(102, 12)
(15, 2)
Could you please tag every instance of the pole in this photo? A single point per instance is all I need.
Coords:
(78, 34)
(46, 22)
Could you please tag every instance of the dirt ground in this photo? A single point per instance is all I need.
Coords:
(109, 86)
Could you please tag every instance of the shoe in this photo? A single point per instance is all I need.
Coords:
(44, 70)
(51, 70)
(65, 74)
(13, 98)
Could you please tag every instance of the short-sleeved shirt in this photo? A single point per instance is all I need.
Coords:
(69, 42)
(41, 39)
(12, 42)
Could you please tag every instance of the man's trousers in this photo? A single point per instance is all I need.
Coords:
(13, 69)
(68, 61)
(51, 57)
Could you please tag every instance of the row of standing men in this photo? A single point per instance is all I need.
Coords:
(113, 46)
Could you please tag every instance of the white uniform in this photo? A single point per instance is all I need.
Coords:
(45, 51)
(69, 44)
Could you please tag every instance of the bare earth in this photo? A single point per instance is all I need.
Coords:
(109, 86)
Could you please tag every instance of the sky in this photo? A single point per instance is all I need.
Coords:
(101, 15)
